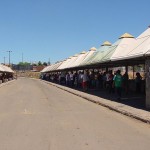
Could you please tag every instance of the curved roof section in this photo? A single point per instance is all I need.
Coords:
(4, 68)
(90, 53)
(123, 49)
(142, 46)
(134, 48)
(63, 65)
(103, 55)
(97, 55)
(117, 48)
(1, 68)
(55, 66)
(72, 60)
(79, 59)
(45, 69)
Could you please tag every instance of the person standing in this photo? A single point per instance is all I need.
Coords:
(85, 81)
(118, 84)
(138, 81)
(110, 82)
(125, 82)
(71, 79)
(67, 79)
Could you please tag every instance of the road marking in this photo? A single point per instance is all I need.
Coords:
(26, 112)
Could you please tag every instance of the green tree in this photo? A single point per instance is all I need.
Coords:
(45, 63)
(39, 63)
(23, 63)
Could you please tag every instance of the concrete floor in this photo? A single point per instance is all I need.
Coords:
(35, 115)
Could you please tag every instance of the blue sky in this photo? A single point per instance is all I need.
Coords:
(57, 29)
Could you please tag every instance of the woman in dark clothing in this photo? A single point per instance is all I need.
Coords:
(138, 81)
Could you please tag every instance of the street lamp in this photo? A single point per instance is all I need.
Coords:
(9, 57)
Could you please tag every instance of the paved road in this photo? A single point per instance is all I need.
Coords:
(37, 116)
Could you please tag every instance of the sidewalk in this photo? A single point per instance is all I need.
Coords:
(6, 83)
(139, 114)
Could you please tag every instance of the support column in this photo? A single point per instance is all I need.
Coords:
(106, 68)
(147, 76)
(133, 73)
(126, 67)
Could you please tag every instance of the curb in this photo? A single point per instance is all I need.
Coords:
(6, 83)
(132, 112)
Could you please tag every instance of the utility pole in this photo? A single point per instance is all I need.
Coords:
(49, 62)
(22, 57)
(4, 60)
(9, 57)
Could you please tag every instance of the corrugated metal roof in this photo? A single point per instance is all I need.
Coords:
(88, 59)
(1, 68)
(104, 55)
(56, 66)
(98, 55)
(74, 58)
(123, 49)
(108, 53)
(4, 68)
(79, 59)
(144, 34)
(132, 48)
(89, 55)
(46, 68)
(142, 45)
(63, 65)
(114, 51)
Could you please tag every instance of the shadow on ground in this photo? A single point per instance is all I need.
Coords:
(131, 99)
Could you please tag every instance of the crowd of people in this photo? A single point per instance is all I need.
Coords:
(5, 76)
(112, 82)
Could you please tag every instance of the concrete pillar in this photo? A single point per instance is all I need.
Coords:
(106, 68)
(126, 68)
(133, 73)
(147, 76)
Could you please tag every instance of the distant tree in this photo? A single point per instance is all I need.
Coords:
(34, 64)
(45, 63)
(23, 63)
(39, 63)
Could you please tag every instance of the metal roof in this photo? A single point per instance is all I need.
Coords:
(74, 58)
(63, 65)
(133, 48)
(98, 55)
(4, 68)
(142, 46)
(79, 59)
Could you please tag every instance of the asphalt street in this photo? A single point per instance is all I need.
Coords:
(37, 116)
